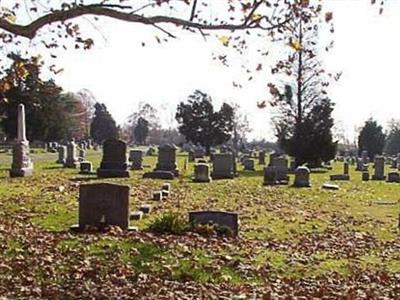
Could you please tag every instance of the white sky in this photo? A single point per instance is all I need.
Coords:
(120, 72)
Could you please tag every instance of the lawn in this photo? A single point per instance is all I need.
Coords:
(293, 242)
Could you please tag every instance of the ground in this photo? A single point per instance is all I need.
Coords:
(294, 243)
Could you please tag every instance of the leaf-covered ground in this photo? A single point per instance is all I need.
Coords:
(294, 243)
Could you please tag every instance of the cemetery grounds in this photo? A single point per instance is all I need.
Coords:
(294, 243)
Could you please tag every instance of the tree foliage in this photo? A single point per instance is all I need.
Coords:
(200, 124)
(303, 118)
(48, 111)
(141, 131)
(103, 125)
(392, 146)
(371, 138)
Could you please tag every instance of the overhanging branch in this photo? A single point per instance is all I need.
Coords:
(29, 31)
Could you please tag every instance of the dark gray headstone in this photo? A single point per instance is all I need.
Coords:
(114, 162)
(102, 204)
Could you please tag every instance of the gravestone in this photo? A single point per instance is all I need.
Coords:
(22, 165)
(202, 173)
(261, 158)
(114, 162)
(281, 166)
(393, 163)
(223, 166)
(199, 152)
(220, 218)
(72, 160)
(103, 204)
(86, 167)
(136, 159)
(365, 176)
(302, 177)
(167, 159)
(62, 154)
(166, 187)
(157, 196)
(330, 186)
(248, 164)
(364, 157)
(82, 154)
(191, 156)
(346, 168)
(379, 173)
(270, 176)
(393, 177)
(344, 176)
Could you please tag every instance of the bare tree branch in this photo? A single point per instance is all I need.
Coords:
(29, 31)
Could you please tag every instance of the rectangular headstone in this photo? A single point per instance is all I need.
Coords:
(221, 218)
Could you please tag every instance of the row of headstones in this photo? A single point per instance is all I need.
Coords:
(105, 204)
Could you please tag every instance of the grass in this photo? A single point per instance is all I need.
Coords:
(357, 229)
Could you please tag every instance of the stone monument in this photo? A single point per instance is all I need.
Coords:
(302, 177)
(202, 173)
(21, 163)
(72, 160)
(114, 162)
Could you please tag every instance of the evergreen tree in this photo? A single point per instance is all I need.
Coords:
(103, 126)
(371, 138)
(200, 124)
(141, 131)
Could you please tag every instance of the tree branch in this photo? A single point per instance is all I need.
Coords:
(29, 31)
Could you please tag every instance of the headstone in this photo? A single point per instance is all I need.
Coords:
(136, 159)
(167, 159)
(191, 156)
(365, 176)
(86, 167)
(72, 160)
(248, 165)
(339, 177)
(281, 165)
(202, 173)
(21, 163)
(166, 175)
(364, 157)
(393, 177)
(199, 152)
(220, 218)
(103, 204)
(114, 162)
(302, 177)
(346, 168)
(379, 173)
(157, 196)
(166, 187)
(223, 166)
(261, 158)
(270, 176)
(82, 154)
(62, 154)
(393, 163)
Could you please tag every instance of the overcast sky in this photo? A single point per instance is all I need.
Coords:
(120, 72)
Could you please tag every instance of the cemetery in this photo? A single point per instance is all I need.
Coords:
(199, 149)
(280, 231)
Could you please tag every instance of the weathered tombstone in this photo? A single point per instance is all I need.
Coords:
(365, 176)
(136, 159)
(21, 163)
(220, 218)
(379, 173)
(346, 168)
(223, 166)
(62, 154)
(145, 208)
(166, 186)
(302, 177)
(157, 196)
(270, 176)
(167, 159)
(136, 215)
(393, 177)
(261, 157)
(82, 154)
(86, 167)
(202, 173)
(248, 165)
(364, 157)
(281, 166)
(191, 156)
(72, 160)
(114, 162)
(393, 163)
(103, 204)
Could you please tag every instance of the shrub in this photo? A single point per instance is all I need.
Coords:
(170, 223)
